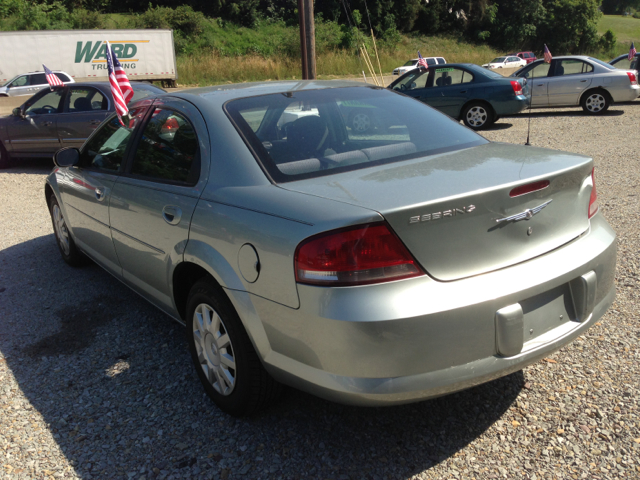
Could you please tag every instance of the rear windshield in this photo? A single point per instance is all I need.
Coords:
(311, 133)
(604, 64)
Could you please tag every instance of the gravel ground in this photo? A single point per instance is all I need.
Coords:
(96, 383)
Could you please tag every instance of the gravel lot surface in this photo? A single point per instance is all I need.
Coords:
(96, 383)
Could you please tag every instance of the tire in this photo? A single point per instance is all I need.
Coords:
(5, 160)
(477, 115)
(225, 360)
(68, 249)
(595, 102)
(360, 122)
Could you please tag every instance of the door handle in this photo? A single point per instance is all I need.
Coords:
(46, 124)
(540, 85)
(95, 122)
(582, 81)
(171, 214)
(99, 193)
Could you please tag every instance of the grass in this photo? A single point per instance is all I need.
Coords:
(212, 68)
(627, 29)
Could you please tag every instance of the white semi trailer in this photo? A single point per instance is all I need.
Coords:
(144, 54)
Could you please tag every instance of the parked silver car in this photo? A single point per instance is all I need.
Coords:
(370, 268)
(572, 81)
(30, 83)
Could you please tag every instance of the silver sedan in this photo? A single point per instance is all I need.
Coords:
(573, 81)
(370, 268)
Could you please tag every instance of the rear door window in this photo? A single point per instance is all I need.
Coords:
(572, 67)
(168, 149)
(38, 79)
(85, 99)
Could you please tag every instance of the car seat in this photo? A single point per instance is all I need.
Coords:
(82, 104)
(559, 70)
(305, 136)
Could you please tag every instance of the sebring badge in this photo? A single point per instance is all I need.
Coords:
(527, 214)
(427, 217)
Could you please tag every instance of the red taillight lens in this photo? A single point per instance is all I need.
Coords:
(528, 188)
(354, 256)
(517, 88)
(593, 200)
(632, 78)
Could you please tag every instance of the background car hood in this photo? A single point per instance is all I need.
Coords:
(469, 241)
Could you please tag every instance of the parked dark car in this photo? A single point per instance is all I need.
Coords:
(467, 92)
(623, 62)
(62, 117)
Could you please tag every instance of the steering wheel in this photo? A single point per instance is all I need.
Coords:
(48, 109)
(403, 86)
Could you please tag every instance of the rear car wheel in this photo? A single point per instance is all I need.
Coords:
(224, 358)
(595, 102)
(70, 253)
(477, 116)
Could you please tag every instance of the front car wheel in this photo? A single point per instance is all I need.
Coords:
(68, 249)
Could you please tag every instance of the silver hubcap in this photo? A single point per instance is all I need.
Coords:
(476, 116)
(62, 234)
(361, 122)
(595, 103)
(215, 352)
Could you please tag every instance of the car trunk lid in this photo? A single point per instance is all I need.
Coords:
(446, 208)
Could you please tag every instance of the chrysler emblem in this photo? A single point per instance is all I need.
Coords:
(526, 215)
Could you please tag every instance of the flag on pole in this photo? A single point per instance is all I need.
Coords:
(421, 61)
(547, 54)
(52, 78)
(632, 52)
(120, 86)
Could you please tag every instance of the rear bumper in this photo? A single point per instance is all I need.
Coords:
(511, 106)
(415, 339)
(627, 94)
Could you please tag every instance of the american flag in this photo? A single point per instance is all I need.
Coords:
(52, 78)
(120, 86)
(421, 61)
(632, 52)
(547, 55)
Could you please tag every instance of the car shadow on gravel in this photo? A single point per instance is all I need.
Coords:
(111, 378)
(567, 113)
(29, 165)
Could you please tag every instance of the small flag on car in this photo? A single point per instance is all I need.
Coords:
(120, 86)
(632, 52)
(52, 78)
(421, 61)
(547, 54)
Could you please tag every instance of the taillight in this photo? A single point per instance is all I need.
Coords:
(517, 88)
(354, 256)
(632, 78)
(593, 200)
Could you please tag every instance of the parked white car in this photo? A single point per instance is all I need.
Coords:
(30, 83)
(572, 81)
(510, 61)
(413, 63)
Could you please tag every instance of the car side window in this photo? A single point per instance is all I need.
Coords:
(85, 99)
(413, 81)
(38, 79)
(63, 77)
(47, 104)
(168, 149)
(106, 148)
(539, 71)
(451, 76)
(572, 67)
(22, 81)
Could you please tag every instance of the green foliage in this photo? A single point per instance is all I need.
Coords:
(608, 41)
(86, 19)
(636, 15)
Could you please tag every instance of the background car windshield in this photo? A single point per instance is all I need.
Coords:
(410, 63)
(319, 132)
(498, 60)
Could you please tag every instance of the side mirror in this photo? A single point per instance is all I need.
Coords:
(17, 112)
(66, 157)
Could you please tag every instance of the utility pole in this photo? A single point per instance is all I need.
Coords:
(307, 39)
(303, 39)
